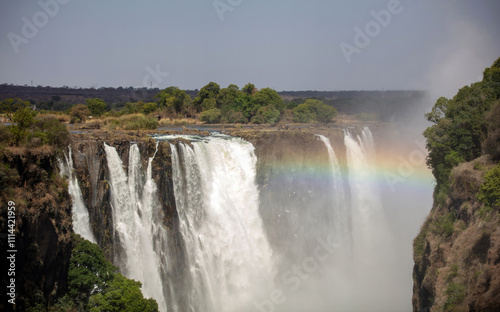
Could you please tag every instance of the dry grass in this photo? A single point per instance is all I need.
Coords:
(3, 118)
(177, 122)
(130, 122)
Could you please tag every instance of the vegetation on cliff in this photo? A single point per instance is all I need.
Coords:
(94, 284)
(29, 149)
(457, 251)
(462, 126)
(53, 272)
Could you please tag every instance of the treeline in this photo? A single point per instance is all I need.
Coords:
(380, 105)
(62, 98)
(465, 127)
(212, 104)
(232, 105)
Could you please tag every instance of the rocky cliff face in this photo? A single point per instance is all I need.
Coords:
(90, 163)
(43, 227)
(457, 252)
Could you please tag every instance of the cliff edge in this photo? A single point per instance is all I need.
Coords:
(457, 252)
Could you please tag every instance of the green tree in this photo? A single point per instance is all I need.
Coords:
(175, 99)
(489, 191)
(123, 295)
(460, 126)
(268, 96)
(210, 91)
(150, 107)
(23, 118)
(246, 104)
(227, 97)
(438, 110)
(208, 104)
(130, 108)
(211, 116)
(10, 106)
(52, 131)
(303, 114)
(249, 89)
(323, 112)
(97, 106)
(266, 114)
(89, 271)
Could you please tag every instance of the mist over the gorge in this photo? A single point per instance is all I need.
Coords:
(250, 156)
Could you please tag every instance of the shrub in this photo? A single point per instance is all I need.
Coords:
(456, 294)
(445, 224)
(313, 110)
(5, 135)
(303, 114)
(131, 122)
(258, 119)
(267, 114)
(236, 117)
(322, 111)
(79, 113)
(24, 119)
(492, 142)
(8, 178)
(211, 116)
(489, 191)
(139, 123)
(54, 132)
(208, 104)
(97, 106)
(150, 107)
(420, 241)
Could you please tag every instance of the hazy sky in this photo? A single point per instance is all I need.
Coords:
(283, 44)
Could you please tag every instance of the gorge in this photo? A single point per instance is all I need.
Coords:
(256, 221)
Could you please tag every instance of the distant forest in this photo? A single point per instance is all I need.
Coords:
(386, 105)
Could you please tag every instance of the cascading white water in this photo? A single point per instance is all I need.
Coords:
(341, 215)
(135, 217)
(79, 211)
(223, 260)
(217, 199)
(366, 203)
(372, 244)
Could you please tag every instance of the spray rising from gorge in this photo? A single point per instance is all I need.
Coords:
(254, 230)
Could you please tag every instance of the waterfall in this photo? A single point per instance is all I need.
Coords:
(311, 236)
(372, 244)
(217, 199)
(366, 202)
(80, 214)
(341, 214)
(137, 225)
